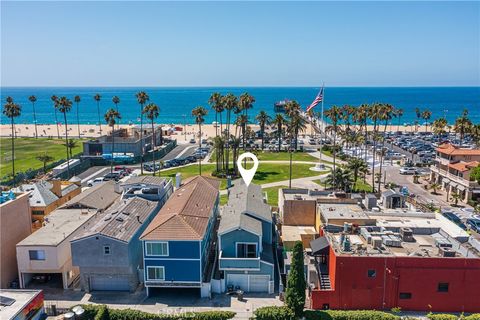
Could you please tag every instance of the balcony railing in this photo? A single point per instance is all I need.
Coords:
(239, 263)
(454, 178)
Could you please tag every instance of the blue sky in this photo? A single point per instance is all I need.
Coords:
(240, 43)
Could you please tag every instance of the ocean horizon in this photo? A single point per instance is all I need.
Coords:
(176, 103)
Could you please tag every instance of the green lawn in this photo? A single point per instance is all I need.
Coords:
(26, 149)
(278, 156)
(266, 173)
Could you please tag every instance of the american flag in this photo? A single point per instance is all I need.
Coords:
(317, 100)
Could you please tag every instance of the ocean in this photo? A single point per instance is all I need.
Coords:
(176, 103)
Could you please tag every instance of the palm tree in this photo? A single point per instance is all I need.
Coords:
(374, 114)
(263, 119)
(151, 111)
(219, 146)
(9, 99)
(278, 122)
(33, 99)
(116, 101)
(439, 126)
(418, 114)
(215, 101)
(475, 134)
(71, 145)
(399, 114)
(455, 197)
(55, 106)
(386, 114)
(357, 165)
(245, 102)
(462, 125)
(199, 113)
(111, 117)
(97, 98)
(77, 100)
(142, 98)
(334, 114)
(64, 106)
(292, 110)
(12, 110)
(295, 125)
(230, 102)
(426, 115)
(44, 158)
(241, 122)
(434, 187)
(340, 179)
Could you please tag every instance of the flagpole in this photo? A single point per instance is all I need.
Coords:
(322, 127)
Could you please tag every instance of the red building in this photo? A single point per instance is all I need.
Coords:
(382, 268)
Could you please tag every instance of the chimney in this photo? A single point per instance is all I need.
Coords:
(57, 187)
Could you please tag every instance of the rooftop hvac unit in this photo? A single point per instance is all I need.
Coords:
(446, 252)
(297, 197)
(377, 242)
(442, 243)
(407, 235)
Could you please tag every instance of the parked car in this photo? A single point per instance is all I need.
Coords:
(455, 219)
(112, 176)
(192, 140)
(408, 170)
(95, 181)
(474, 224)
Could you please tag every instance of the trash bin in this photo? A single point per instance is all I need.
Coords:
(239, 295)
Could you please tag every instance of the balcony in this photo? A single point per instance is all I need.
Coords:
(454, 178)
(238, 263)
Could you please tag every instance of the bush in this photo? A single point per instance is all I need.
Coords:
(273, 313)
(349, 315)
(473, 316)
(101, 312)
(441, 316)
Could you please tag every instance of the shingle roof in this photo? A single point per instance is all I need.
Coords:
(40, 193)
(98, 197)
(232, 220)
(249, 199)
(186, 213)
(448, 148)
(122, 220)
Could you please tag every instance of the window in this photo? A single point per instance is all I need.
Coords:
(246, 250)
(157, 248)
(442, 287)
(405, 295)
(372, 273)
(106, 250)
(38, 212)
(37, 254)
(155, 273)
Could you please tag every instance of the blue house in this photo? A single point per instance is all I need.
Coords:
(245, 241)
(179, 244)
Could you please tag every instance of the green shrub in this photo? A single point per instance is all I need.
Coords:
(441, 316)
(273, 313)
(101, 312)
(349, 315)
(473, 316)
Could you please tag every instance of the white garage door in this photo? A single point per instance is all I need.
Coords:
(240, 280)
(249, 283)
(98, 283)
(259, 283)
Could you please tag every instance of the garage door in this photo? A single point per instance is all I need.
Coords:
(108, 284)
(240, 280)
(259, 283)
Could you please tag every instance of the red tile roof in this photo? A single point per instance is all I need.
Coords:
(448, 148)
(464, 166)
(186, 213)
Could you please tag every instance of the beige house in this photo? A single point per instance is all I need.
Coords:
(44, 257)
(452, 169)
(15, 225)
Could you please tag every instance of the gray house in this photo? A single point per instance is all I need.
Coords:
(109, 253)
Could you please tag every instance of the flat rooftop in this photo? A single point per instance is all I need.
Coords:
(294, 233)
(342, 211)
(59, 225)
(21, 297)
(304, 194)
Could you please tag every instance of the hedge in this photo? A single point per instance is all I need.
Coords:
(101, 312)
(444, 316)
(349, 315)
(473, 316)
(273, 313)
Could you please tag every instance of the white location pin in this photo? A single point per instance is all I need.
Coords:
(247, 175)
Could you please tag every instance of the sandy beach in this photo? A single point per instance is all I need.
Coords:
(92, 131)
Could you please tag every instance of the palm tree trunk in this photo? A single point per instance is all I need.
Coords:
(373, 154)
(200, 145)
(153, 146)
(262, 130)
(99, 121)
(334, 155)
(228, 142)
(56, 122)
(113, 148)
(35, 119)
(382, 155)
(78, 123)
(13, 151)
(279, 133)
(141, 138)
(66, 143)
(216, 123)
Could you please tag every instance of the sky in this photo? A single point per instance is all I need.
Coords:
(124, 43)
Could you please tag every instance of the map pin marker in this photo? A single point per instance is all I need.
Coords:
(247, 175)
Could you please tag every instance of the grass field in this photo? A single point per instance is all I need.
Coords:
(26, 149)
(278, 156)
(266, 173)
